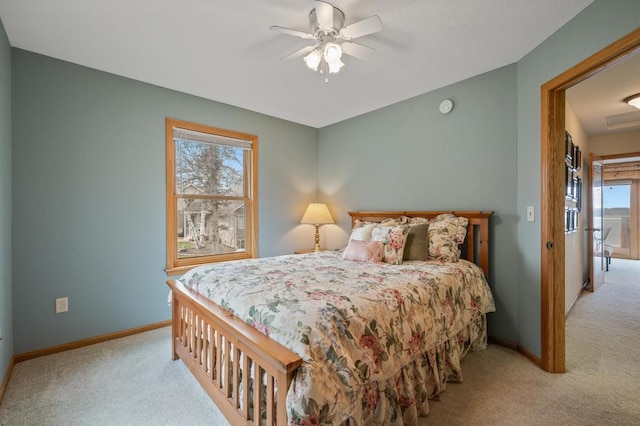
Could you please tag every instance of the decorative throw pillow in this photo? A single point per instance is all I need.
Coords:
(417, 243)
(394, 239)
(446, 233)
(364, 251)
(362, 231)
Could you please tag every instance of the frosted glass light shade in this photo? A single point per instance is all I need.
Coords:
(335, 66)
(313, 60)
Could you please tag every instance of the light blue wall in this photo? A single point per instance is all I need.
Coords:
(409, 156)
(597, 26)
(6, 323)
(88, 180)
(89, 195)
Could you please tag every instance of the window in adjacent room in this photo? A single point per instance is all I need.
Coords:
(211, 195)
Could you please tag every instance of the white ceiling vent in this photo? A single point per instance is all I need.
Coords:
(623, 121)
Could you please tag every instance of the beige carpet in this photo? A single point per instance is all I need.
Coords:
(129, 381)
(132, 381)
(602, 382)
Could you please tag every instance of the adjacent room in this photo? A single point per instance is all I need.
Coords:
(153, 154)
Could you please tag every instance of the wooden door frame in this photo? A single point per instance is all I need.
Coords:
(552, 194)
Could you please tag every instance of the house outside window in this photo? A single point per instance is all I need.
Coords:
(211, 195)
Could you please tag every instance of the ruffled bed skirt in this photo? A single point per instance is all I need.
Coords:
(405, 397)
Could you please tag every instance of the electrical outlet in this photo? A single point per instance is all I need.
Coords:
(62, 305)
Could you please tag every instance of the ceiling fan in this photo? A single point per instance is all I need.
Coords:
(331, 38)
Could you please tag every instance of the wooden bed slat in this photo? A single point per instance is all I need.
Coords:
(257, 394)
(245, 386)
(270, 389)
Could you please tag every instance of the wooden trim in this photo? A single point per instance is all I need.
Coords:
(177, 265)
(503, 342)
(634, 249)
(552, 228)
(515, 347)
(90, 341)
(529, 355)
(617, 156)
(575, 299)
(172, 218)
(616, 52)
(552, 210)
(7, 376)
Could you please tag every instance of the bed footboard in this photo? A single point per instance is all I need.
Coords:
(245, 373)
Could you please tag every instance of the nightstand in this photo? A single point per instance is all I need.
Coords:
(306, 251)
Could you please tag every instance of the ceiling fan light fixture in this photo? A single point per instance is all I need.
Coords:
(333, 39)
(633, 100)
(313, 59)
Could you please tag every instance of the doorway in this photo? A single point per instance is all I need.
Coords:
(552, 193)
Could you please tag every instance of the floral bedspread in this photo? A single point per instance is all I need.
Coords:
(352, 323)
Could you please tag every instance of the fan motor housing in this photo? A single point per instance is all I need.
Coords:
(338, 22)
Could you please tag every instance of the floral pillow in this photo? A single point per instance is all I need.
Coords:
(446, 233)
(364, 251)
(394, 238)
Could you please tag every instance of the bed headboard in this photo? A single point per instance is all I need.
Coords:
(475, 247)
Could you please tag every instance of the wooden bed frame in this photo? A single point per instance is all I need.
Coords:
(207, 338)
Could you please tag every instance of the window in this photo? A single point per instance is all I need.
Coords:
(211, 195)
(617, 215)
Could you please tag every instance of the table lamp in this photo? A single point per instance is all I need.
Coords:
(317, 214)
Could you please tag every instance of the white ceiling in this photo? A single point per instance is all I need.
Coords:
(224, 51)
(598, 99)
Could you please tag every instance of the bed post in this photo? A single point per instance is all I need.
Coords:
(175, 308)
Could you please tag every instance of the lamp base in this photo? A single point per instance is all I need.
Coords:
(316, 247)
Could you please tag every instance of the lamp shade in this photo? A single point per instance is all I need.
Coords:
(317, 214)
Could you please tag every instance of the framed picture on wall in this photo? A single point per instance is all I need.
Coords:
(578, 194)
(568, 148)
(569, 183)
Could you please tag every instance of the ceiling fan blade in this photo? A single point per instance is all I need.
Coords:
(357, 50)
(324, 15)
(371, 25)
(300, 52)
(289, 31)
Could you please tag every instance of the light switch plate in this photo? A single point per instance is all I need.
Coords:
(530, 214)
